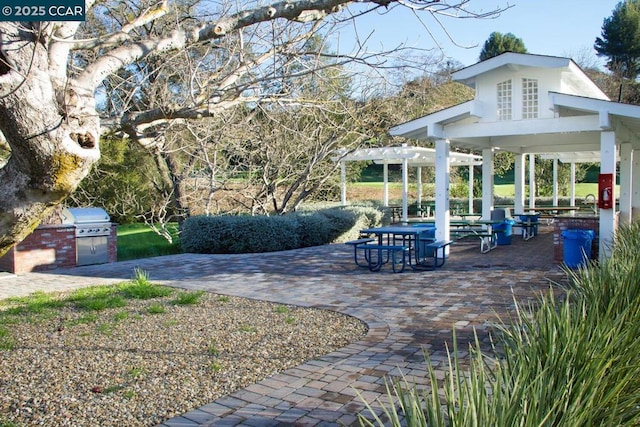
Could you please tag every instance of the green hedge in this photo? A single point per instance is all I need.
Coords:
(247, 234)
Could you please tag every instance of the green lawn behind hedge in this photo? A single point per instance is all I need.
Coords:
(140, 241)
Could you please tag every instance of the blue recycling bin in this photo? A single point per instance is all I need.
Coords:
(577, 247)
(504, 231)
(426, 237)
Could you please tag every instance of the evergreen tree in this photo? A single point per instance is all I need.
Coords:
(499, 43)
(620, 41)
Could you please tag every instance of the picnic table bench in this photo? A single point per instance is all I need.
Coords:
(488, 237)
(376, 255)
(435, 250)
(463, 228)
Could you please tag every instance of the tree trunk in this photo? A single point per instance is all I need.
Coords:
(52, 130)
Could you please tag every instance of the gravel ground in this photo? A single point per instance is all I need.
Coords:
(129, 366)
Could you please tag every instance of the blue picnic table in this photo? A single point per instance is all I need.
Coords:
(399, 244)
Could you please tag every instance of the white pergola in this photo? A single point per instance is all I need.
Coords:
(407, 156)
(571, 114)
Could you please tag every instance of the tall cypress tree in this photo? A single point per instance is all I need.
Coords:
(620, 41)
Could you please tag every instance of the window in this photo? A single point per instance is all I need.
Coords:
(504, 100)
(529, 99)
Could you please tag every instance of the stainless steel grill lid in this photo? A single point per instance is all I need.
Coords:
(81, 216)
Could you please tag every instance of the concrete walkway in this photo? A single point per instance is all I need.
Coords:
(407, 313)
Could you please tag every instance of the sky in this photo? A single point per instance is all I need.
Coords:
(547, 27)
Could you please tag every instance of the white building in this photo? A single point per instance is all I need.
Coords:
(530, 104)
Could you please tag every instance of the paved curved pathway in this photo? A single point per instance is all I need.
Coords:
(407, 314)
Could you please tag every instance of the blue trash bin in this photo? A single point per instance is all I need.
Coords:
(577, 247)
(427, 237)
(504, 231)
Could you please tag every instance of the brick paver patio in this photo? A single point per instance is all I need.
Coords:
(407, 313)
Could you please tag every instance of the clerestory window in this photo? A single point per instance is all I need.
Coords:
(504, 100)
(529, 98)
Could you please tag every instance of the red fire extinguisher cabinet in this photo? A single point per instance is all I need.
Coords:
(605, 191)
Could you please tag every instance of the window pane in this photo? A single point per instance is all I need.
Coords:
(504, 100)
(529, 98)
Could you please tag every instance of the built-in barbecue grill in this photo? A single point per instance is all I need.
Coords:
(93, 228)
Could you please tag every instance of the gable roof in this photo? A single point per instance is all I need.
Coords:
(572, 73)
(576, 126)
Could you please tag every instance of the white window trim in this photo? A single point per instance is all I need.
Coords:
(504, 110)
(530, 104)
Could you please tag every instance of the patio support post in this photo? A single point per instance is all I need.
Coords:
(442, 189)
(405, 189)
(572, 180)
(471, 188)
(607, 216)
(532, 181)
(385, 184)
(518, 169)
(635, 190)
(487, 183)
(419, 180)
(343, 182)
(626, 184)
(555, 182)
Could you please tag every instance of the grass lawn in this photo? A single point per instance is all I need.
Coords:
(140, 241)
(373, 190)
(582, 189)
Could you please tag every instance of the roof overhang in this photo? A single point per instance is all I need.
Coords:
(577, 126)
(575, 157)
(414, 156)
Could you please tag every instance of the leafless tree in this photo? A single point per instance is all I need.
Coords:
(58, 82)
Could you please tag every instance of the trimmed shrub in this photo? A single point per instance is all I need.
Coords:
(245, 234)
(312, 229)
(238, 234)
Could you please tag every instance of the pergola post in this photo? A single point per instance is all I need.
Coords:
(343, 182)
(487, 183)
(635, 190)
(519, 181)
(405, 189)
(471, 188)
(555, 182)
(532, 181)
(419, 181)
(572, 180)
(626, 184)
(442, 189)
(607, 216)
(385, 184)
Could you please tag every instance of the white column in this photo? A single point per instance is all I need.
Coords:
(607, 216)
(442, 189)
(385, 184)
(470, 188)
(343, 182)
(518, 170)
(419, 181)
(635, 191)
(532, 181)
(487, 183)
(572, 193)
(555, 182)
(626, 185)
(405, 190)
